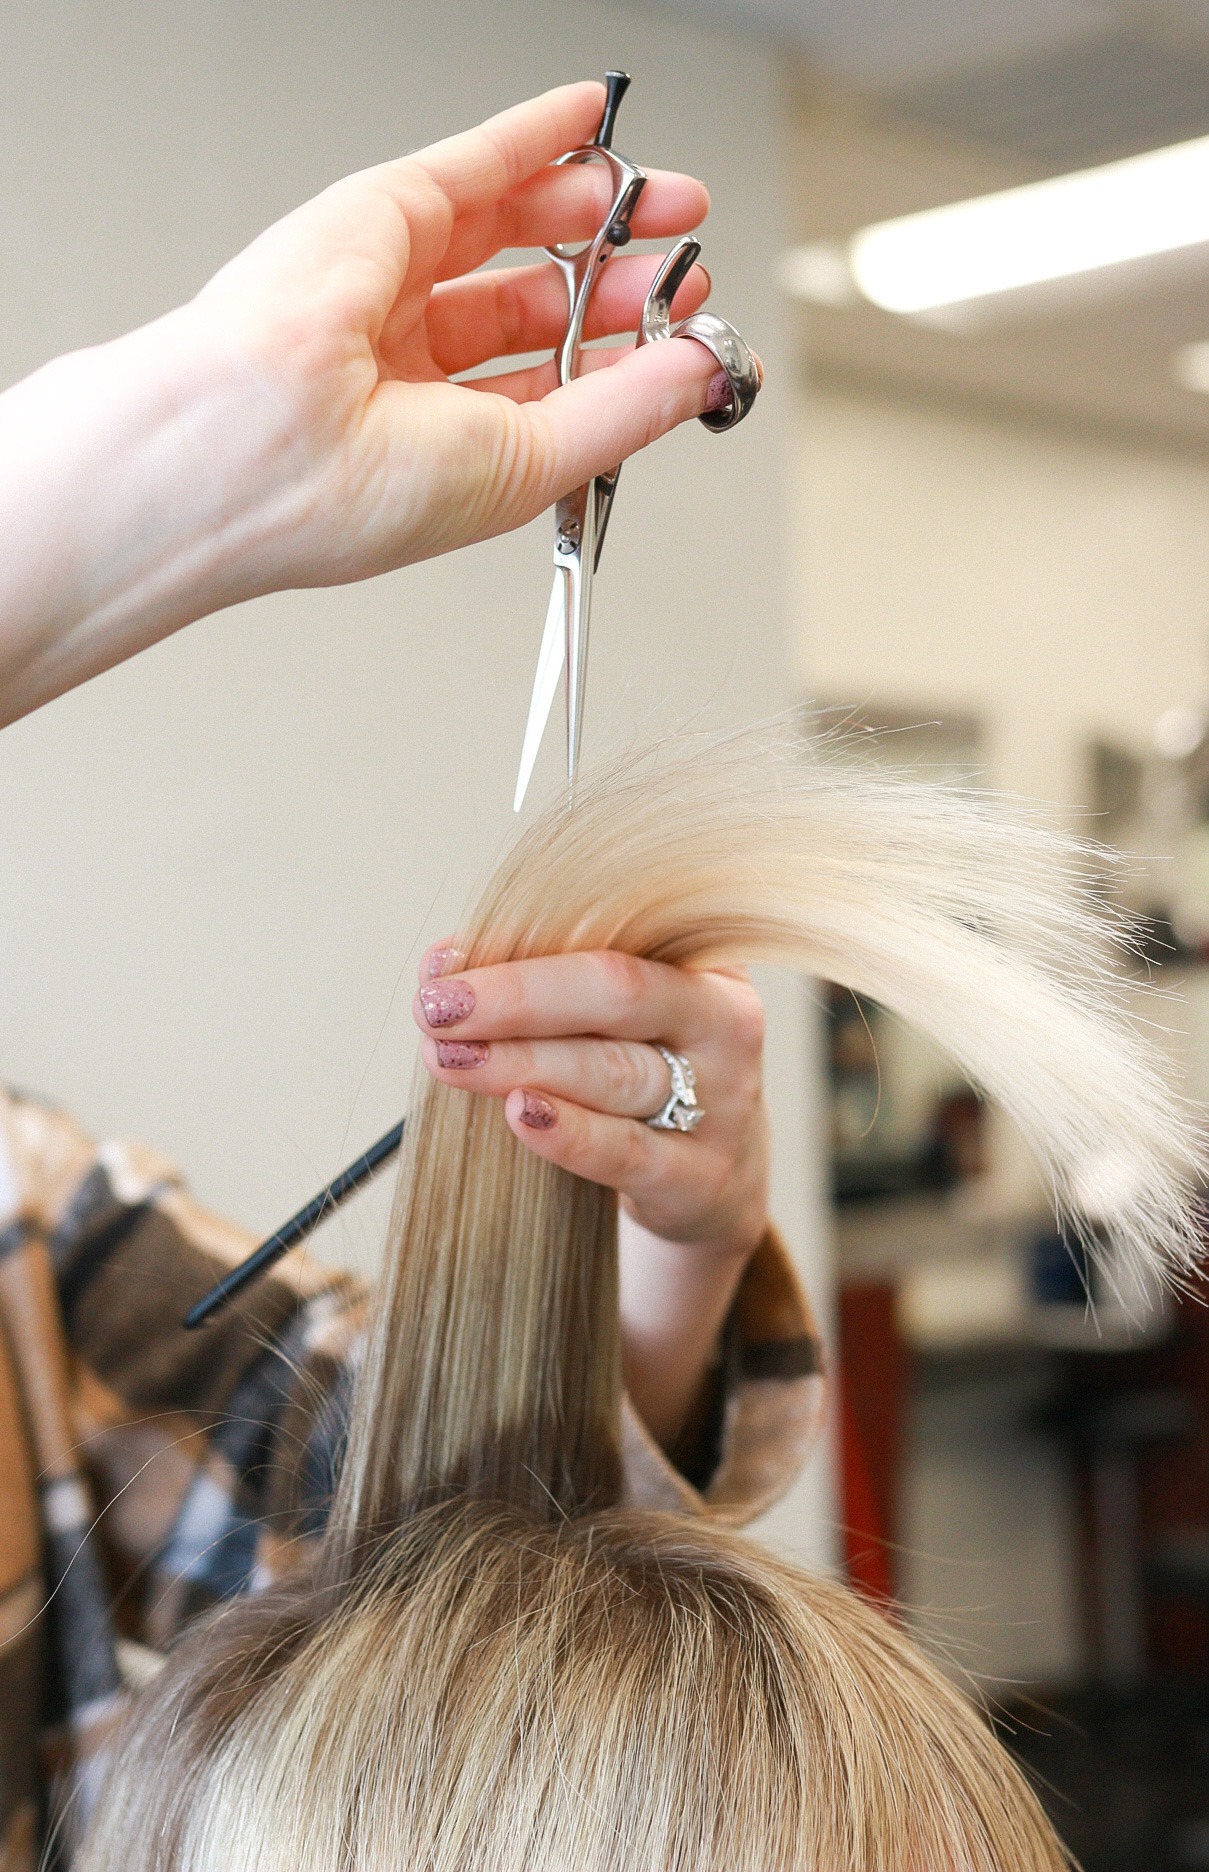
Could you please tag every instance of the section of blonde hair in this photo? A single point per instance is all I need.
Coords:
(497, 1667)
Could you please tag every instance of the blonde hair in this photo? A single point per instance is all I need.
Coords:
(494, 1663)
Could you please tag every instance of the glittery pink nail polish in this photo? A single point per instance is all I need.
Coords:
(445, 1003)
(718, 392)
(443, 962)
(537, 1112)
(461, 1054)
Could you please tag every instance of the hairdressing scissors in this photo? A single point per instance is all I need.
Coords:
(582, 517)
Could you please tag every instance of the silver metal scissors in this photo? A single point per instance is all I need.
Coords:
(582, 517)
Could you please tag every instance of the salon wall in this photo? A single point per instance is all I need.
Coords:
(1046, 579)
(221, 862)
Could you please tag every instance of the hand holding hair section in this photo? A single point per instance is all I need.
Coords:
(969, 919)
(492, 1661)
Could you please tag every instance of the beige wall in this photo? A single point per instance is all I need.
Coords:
(1054, 583)
(221, 861)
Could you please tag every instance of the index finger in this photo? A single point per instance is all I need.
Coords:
(568, 203)
(550, 997)
(387, 213)
(477, 166)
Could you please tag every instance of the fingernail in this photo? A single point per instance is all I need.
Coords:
(709, 284)
(443, 962)
(537, 1112)
(446, 1003)
(461, 1054)
(718, 393)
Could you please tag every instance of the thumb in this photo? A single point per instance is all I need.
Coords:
(590, 425)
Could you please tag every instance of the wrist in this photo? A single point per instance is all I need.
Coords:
(141, 486)
(735, 1244)
(719, 1243)
(675, 1299)
(665, 1283)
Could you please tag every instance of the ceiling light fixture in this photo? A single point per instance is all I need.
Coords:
(1190, 367)
(1144, 205)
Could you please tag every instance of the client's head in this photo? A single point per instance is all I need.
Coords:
(613, 1692)
(495, 1665)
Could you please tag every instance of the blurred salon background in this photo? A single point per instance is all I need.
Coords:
(999, 508)
(971, 514)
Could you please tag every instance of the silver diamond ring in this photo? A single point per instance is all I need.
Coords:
(681, 1112)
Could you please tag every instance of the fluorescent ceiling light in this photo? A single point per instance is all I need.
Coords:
(1151, 204)
(820, 272)
(1178, 732)
(1190, 367)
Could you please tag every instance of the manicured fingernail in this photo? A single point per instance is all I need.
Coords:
(718, 393)
(461, 1054)
(709, 284)
(537, 1112)
(443, 962)
(445, 1003)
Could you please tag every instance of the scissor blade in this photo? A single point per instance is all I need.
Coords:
(578, 619)
(549, 668)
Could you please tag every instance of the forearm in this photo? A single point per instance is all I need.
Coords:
(675, 1299)
(136, 494)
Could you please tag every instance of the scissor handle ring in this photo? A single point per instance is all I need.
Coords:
(718, 336)
(736, 359)
(620, 173)
(581, 266)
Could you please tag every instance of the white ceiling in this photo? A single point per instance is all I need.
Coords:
(906, 103)
(884, 43)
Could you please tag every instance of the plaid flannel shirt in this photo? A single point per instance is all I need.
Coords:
(147, 1473)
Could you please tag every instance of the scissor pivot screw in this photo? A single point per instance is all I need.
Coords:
(568, 539)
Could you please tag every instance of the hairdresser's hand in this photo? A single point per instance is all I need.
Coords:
(296, 423)
(357, 310)
(565, 1041)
